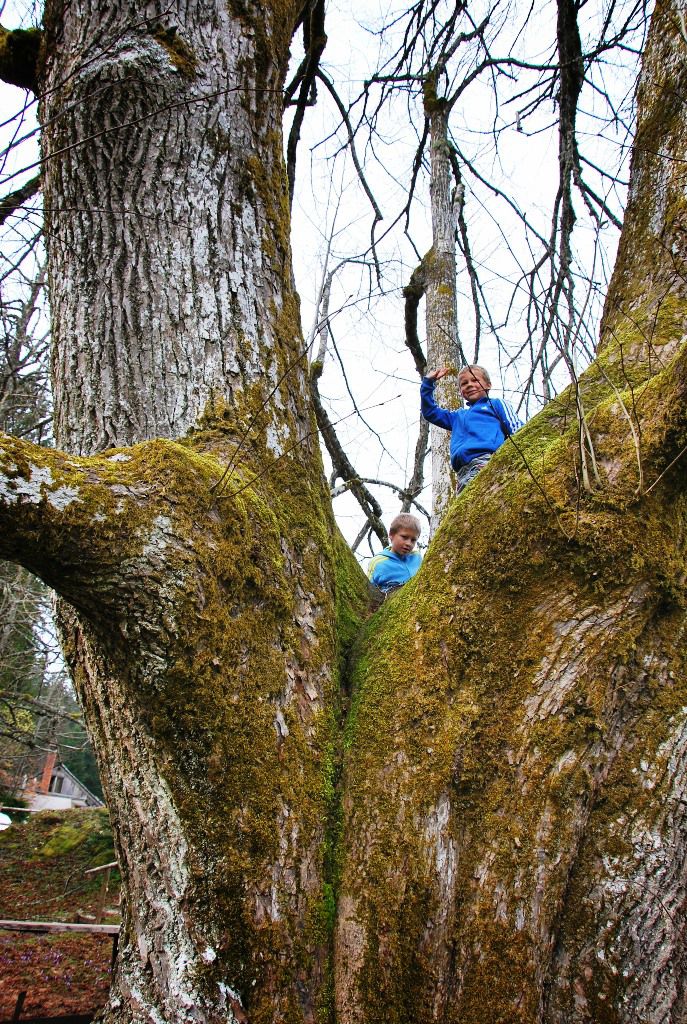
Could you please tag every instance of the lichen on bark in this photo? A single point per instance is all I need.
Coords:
(499, 699)
(512, 786)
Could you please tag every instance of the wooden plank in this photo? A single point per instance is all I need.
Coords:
(59, 926)
(103, 867)
(74, 1018)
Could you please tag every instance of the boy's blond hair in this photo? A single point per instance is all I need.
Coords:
(404, 520)
(473, 368)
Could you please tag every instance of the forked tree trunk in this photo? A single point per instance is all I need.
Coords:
(511, 847)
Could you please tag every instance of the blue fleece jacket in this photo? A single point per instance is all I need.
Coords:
(387, 569)
(479, 429)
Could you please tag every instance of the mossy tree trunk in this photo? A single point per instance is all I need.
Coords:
(513, 831)
(199, 621)
(515, 786)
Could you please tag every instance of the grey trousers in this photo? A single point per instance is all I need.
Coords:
(469, 472)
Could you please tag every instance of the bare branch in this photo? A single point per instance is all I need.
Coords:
(354, 156)
(15, 199)
(314, 40)
(342, 464)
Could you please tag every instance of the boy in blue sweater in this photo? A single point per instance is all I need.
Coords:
(476, 431)
(398, 563)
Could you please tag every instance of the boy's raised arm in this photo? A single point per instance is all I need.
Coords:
(432, 412)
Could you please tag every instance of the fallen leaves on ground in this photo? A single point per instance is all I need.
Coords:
(42, 878)
(61, 974)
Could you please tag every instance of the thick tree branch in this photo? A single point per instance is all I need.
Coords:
(11, 203)
(413, 293)
(69, 520)
(19, 50)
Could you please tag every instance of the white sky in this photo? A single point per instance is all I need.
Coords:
(330, 204)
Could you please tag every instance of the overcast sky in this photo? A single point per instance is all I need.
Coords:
(332, 212)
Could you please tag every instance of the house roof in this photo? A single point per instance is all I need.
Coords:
(97, 802)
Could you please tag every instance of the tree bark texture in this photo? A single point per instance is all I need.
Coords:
(509, 844)
(514, 809)
(199, 620)
(167, 220)
(440, 298)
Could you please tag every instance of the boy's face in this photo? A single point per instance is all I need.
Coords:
(472, 385)
(402, 541)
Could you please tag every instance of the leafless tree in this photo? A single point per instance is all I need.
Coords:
(531, 298)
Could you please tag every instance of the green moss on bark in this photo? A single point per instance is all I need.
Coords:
(450, 692)
(20, 51)
(234, 667)
(179, 52)
(255, 756)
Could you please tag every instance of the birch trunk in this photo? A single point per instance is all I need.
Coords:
(440, 297)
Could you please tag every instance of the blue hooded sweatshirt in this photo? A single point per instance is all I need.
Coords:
(479, 429)
(387, 569)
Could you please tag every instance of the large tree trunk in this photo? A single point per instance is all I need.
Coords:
(199, 624)
(515, 793)
(512, 840)
(167, 222)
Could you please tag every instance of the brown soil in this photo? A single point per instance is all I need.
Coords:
(42, 865)
(61, 974)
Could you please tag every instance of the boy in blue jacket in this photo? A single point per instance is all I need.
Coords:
(476, 431)
(398, 563)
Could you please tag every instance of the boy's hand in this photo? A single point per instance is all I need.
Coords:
(438, 374)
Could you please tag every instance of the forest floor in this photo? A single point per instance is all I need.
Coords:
(42, 865)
